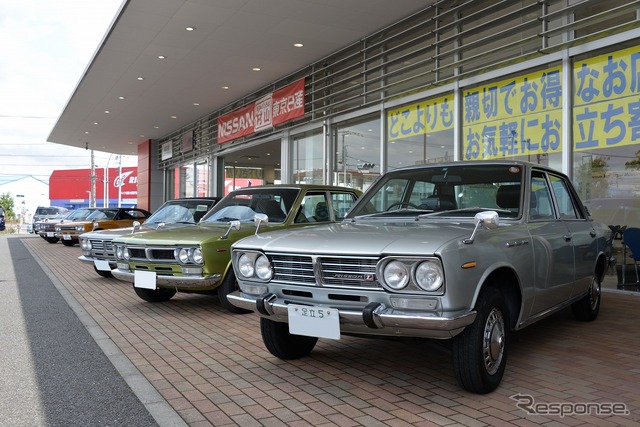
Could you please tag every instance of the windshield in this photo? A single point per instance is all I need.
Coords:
(242, 205)
(50, 211)
(102, 214)
(462, 190)
(79, 214)
(180, 212)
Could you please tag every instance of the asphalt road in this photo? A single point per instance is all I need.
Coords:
(52, 370)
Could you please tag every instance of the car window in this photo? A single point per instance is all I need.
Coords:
(565, 202)
(540, 205)
(342, 203)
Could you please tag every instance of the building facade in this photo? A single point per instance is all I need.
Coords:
(555, 82)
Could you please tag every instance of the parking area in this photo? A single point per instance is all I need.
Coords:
(213, 369)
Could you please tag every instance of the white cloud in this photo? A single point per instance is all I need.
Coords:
(46, 46)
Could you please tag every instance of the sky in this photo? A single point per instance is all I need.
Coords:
(45, 47)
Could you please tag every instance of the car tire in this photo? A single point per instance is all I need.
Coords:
(480, 351)
(51, 239)
(587, 308)
(229, 284)
(158, 295)
(281, 343)
(69, 242)
(103, 273)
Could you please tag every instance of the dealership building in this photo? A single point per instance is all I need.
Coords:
(215, 95)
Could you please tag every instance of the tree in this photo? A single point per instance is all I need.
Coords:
(6, 201)
(633, 163)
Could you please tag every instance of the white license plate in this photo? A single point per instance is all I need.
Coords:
(313, 321)
(66, 236)
(50, 234)
(101, 265)
(144, 279)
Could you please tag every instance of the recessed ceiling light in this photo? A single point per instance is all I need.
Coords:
(121, 97)
(298, 45)
(96, 123)
(86, 132)
(174, 117)
(140, 78)
(196, 104)
(190, 28)
(162, 57)
(107, 111)
(225, 87)
(156, 127)
(256, 68)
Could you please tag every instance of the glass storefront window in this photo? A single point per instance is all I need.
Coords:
(357, 154)
(241, 177)
(606, 135)
(202, 173)
(420, 133)
(308, 158)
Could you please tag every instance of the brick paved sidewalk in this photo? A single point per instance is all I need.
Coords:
(213, 369)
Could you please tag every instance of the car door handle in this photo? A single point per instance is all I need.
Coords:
(567, 237)
(592, 233)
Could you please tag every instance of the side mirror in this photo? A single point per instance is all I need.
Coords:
(488, 220)
(136, 226)
(258, 219)
(233, 225)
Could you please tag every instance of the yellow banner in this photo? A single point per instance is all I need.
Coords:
(606, 100)
(424, 117)
(514, 117)
(537, 133)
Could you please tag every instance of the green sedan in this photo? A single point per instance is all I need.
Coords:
(197, 258)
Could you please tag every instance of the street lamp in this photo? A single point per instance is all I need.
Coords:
(106, 182)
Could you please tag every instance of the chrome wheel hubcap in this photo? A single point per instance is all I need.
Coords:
(493, 341)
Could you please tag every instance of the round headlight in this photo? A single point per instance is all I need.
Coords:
(57, 228)
(245, 266)
(396, 275)
(183, 255)
(197, 256)
(80, 227)
(428, 276)
(85, 244)
(126, 254)
(263, 268)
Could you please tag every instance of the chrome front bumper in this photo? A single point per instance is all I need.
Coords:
(374, 319)
(176, 282)
(89, 260)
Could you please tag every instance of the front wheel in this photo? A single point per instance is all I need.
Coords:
(480, 351)
(587, 308)
(158, 295)
(51, 239)
(103, 273)
(229, 284)
(68, 242)
(281, 343)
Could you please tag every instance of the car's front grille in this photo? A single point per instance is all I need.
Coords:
(67, 228)
(101, 245)
(151, 254)
(338, 271)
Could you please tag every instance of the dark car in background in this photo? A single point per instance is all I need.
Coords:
(97, 248)
(46, 228)
(52, 213)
